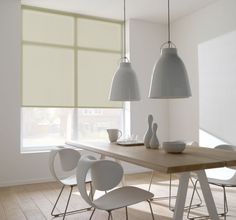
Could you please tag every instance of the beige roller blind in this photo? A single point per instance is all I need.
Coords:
(48, 76)
(95, 72)
(99, 34)
(49, 28)
(68, 60)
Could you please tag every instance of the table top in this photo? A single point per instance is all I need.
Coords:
(193, 158)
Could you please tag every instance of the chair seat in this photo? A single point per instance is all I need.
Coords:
(227, 183)
(221, 176)
(121, 197)
(71, 180)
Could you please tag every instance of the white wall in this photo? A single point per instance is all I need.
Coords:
(205, 24)
(145, 40)
(14, 167)
(217, 91)
(17, 168)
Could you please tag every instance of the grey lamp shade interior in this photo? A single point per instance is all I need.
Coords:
(169, 78)
(124, 84)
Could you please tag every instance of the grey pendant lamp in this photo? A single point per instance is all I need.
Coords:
(169, 78)
(124, 85)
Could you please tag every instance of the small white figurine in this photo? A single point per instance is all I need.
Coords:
(154, 143)
(148, 134)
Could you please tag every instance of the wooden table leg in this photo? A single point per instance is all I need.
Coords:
(206, 191)
(181, 196)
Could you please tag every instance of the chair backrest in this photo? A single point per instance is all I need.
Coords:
(105, 175)
(192, 143)
(68, 158)
(226, 147)
(232, 148)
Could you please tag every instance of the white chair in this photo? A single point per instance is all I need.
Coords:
(170, 196)
(222, 177)
(68, 160)
(106, 175)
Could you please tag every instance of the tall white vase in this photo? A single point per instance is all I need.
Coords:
(154, 142)
(148, 134)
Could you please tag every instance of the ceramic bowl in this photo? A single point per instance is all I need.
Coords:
(174, 147)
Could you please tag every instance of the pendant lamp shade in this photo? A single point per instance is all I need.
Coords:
(169, 78)
(124, 84)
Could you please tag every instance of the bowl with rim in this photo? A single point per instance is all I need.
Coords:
(174, 147)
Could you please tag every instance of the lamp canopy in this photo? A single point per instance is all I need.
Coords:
(124, 85)
(169, 78)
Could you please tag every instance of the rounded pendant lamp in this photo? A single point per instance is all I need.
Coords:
(169, 78)
(124, 85)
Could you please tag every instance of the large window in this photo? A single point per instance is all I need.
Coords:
(68, 62)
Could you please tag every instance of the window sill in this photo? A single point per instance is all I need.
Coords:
(46, 149)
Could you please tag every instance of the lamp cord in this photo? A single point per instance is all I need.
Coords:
(169, 41)
(124, 32)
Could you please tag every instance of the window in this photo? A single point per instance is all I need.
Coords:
(68, 63)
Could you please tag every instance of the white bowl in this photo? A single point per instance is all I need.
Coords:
(174, 147)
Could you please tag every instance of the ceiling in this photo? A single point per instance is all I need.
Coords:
(147, 10)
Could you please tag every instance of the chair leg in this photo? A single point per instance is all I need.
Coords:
(170, 194)
(199, 197)
(92, 214)
(150, 183)
(68, 201)
(52, 214)
(191, 201)
(150, 205)
(65, 212)
(92, 192)
(109, 215)
(220, 214)
(226, 209)
(126, 212)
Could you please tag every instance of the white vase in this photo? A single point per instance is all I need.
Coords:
(148, 134)
(154, 142)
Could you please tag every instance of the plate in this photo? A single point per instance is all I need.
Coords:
(129, 143)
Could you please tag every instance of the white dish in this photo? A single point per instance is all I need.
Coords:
(174, 147)
(129, 143)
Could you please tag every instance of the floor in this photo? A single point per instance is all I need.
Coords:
(35, 201)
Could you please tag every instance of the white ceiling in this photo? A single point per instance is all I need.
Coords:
(148, 10)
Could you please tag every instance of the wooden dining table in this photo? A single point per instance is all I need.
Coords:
(193, 159)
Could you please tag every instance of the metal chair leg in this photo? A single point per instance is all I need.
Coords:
(109, 215)
(92, 214)
(171, 208)
(65, 212)
(126, 212)
(68, 201)
(57, 215)
(199, 197)
(150, 183)
(220, 214)
(191, 201)
(150, 205)
(91, 193)
(226, 209)
(170, 195)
